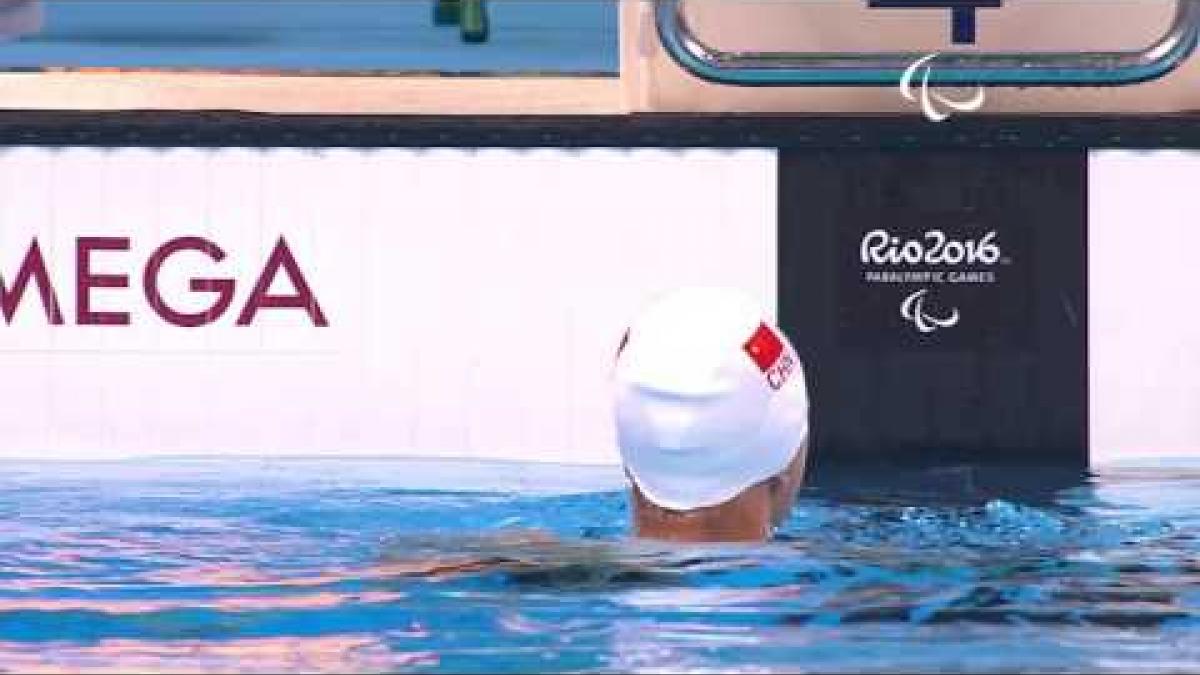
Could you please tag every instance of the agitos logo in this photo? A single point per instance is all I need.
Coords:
(33, 270)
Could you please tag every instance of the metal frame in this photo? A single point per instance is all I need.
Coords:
(1030, 69)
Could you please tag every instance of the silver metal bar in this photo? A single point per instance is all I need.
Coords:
(1058, 69)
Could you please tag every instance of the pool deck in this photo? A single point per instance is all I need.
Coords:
(295, 94)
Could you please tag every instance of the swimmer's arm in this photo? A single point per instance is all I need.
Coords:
(507, 550)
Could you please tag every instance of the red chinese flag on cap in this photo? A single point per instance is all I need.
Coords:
(764, 347)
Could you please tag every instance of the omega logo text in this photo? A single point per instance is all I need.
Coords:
(33, 270)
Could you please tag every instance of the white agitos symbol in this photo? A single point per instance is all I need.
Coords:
(913, 310)
(929, 96)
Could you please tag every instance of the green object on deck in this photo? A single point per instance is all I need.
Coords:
(446, 12)
(474, 21)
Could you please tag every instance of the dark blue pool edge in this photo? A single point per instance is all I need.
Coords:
(216, 128)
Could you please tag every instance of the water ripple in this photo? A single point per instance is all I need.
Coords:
(220, 572)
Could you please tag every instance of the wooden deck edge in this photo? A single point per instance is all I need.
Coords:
(303, 94)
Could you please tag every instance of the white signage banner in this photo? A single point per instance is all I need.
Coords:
(462, 303)
(1144, 330)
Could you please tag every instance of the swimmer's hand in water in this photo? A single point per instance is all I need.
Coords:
(435, 556)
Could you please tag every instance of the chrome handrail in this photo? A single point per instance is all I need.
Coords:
(1094, 68)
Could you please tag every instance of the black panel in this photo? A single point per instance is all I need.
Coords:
(988, 365)
(230, 128)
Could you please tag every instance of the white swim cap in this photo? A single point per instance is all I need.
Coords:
(710, 398)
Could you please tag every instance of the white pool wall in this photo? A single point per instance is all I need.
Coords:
(475, 298)
(1144, 297)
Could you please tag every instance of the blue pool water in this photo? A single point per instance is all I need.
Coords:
(571, 36)
(294, 566)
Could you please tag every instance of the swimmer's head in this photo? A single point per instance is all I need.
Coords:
(711, 417)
